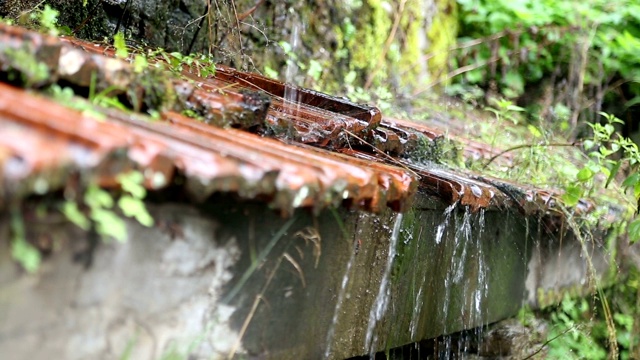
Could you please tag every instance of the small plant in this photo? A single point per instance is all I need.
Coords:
(572, 325)
(21, 250)
(200, 64)
(608, 152)
(48, 19)
(100, 208)
(121, 46)
(578, 330)
(506, 110)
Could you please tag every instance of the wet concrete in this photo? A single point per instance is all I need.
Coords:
(235, 278)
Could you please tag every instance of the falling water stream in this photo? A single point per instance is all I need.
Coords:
(291, 71)
(341, 297)
(382, 299)
(419, 297)
(468, 271)
(447, 215)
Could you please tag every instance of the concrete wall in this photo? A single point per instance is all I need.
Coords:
(236, 277)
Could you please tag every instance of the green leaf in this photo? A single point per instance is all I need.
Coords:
(121, 45)
(132, 183)
(631, 180)
(109, 224)
(534, 131)
(515, 82)
(73, 214)
(612, 173)
(270, 72)
(49, 20)
(315, 69)
(609, 129)
(135, 208)
(26, 254)
(350, 77)
(585, 174)
(634, 230)
(95, 197)
(22, 251)
(140, 63)
(572, 195)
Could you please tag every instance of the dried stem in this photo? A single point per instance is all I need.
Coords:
(523, 146)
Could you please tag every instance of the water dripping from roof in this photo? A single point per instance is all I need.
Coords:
(441, 228)
(379, 307)
(341, 296)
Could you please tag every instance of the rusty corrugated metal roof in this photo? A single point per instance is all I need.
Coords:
(320, 154)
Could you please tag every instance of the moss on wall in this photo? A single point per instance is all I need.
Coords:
(373, 27)
(442, 35)
(340, 43)
(427, 29)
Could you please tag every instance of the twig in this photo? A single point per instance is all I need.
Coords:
(124, 12)
(251, 10)
(522, 146)
(87, 19)
(235, 14)
(547, 343)
(202, 18)
(252, 312)
(455, 73)
(475, 42)
(387, 44)
(239, 19)
(254, 265)
(613, 344)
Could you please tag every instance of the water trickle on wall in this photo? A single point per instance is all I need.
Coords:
(447, 216)
(341, 297)
(379, 307)
(418, 301)
(468, 275)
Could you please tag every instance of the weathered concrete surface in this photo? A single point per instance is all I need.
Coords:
(237, 276)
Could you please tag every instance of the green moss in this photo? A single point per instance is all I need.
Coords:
(415, 38)
(412, 50)
(367, 44)
(442, 35)
(22, 67)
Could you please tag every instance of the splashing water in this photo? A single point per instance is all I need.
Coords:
(475, 287)
(382, 299)
(447, 215)
(417, 306)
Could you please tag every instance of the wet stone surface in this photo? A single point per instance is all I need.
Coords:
(232, 277)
